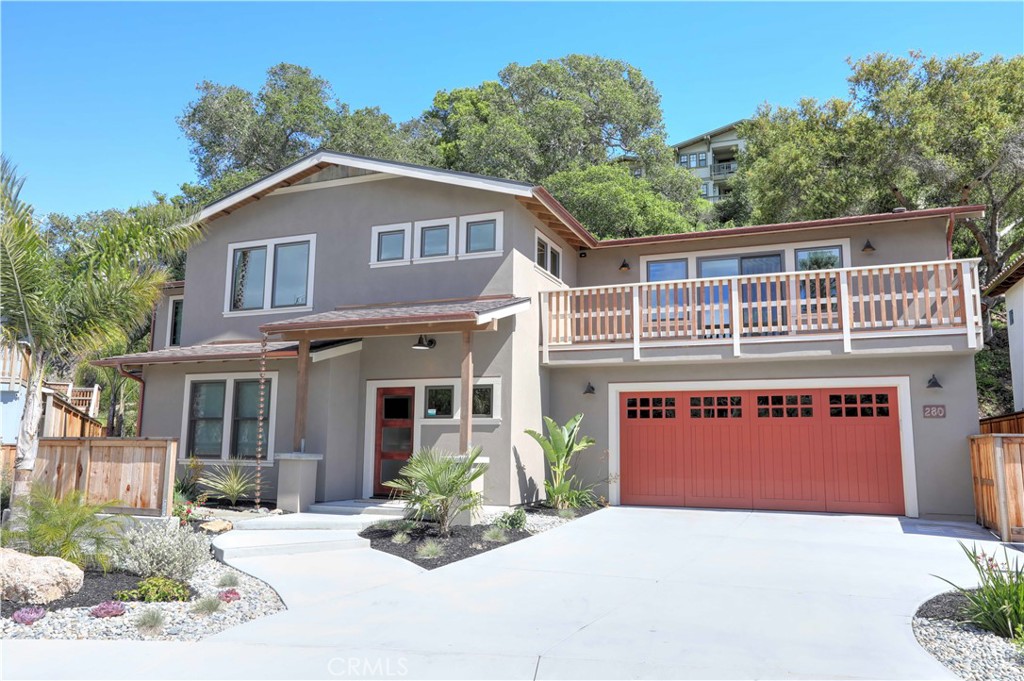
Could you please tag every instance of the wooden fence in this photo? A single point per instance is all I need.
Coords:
(1009, 423)
(997, 467)
(62, 419)
(135, 473)
(8, 453)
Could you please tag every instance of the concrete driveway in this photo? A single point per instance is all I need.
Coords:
(622, 593)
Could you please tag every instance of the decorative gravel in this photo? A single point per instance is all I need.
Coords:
(969, 652)
(539, 519)
(181, 624)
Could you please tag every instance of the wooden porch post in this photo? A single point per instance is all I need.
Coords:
(466, 408)
(301, 395)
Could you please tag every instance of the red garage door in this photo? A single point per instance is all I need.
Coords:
(798, 450)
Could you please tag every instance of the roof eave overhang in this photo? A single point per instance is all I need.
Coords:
(1006, 280)
(125, 362)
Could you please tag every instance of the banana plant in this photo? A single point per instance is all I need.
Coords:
(560, 446)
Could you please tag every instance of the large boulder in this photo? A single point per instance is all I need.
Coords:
(37, 579)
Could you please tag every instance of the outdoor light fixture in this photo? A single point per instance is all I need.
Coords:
(868, 248)
(624, 267)
(589, 390)
(424, 343)
(933, 383)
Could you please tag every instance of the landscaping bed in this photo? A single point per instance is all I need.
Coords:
(69, 617)
(464, 541)
(968, 651)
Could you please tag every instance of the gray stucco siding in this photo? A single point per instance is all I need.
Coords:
(940, 445)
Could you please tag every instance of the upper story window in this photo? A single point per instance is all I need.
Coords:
(824, 258)
(684, 160)
(481, 235)
(672, 269)
(731, 266)
(174, 320)
(274, 274)
(435, 239)
(693, 160)
(391, 244)
(549, 257)
(702, 159)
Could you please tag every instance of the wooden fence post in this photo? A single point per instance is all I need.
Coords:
(1001, 495)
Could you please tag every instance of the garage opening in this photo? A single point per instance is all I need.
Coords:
(834, 450)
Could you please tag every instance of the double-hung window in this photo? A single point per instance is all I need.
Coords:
(222, 416)
(702, 159)
(434, 239)
(549, 257)
(481, 235)
(276, 274)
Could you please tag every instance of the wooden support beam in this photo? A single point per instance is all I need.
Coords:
(390, 330)
(466, 408)
(301, 396)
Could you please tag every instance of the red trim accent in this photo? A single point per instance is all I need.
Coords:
(378, 450)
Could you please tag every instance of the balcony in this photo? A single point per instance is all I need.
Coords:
(877, 302)
(720, 170)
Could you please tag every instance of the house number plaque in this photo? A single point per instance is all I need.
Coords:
(935, 411)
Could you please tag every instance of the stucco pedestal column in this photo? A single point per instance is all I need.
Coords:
(466, 518)
(296, 480)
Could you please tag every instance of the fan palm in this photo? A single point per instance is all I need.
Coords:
(62, 304)
(437, 485)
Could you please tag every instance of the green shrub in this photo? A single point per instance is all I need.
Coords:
(67, 528)
(512, 520)
(495, 534)
(997, 605)
(400, 538)
(438, 486)
(207, 606)
(156, 550)
(227, 579)
(187, 485)
(6, 483)
(231, 481)
(430, 549)
(560, 446)
(156, 590)
(150, 621)
(566, 513)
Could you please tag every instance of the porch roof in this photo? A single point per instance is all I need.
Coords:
(201, 353)
(1005, 280)
(403, 318)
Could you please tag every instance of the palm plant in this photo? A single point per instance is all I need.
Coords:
(560, 446)
(229, 481)
(61, 302)
(67, 527)
(437, 485)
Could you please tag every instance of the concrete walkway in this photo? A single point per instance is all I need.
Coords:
(622, 593)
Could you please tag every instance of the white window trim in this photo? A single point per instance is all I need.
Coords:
(405, 227)
(499, 231)
(419, 420)
(546, 267)
(420, 225)
(229, 406)
(788, 251)
(905, 405)
(170, 318)
(268, 278)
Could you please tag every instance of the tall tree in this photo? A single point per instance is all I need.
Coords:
(62, 305)
(914, 132)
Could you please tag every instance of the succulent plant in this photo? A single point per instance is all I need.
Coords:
(29, 615)
(107, 609)
(229, 595)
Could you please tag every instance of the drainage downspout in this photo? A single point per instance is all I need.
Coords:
(142, 395)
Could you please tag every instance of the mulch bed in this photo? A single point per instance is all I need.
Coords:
(945, 606)
(464, 542)
(96, 588)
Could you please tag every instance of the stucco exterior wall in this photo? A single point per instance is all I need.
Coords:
(895, 242)
(940, 445)
(12, 404)
(1015, 302)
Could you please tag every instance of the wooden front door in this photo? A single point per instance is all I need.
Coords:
(394, 435)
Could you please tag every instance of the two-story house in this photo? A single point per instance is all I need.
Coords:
(822, 365)
(713, 157)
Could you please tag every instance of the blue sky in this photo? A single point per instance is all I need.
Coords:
(90, 91)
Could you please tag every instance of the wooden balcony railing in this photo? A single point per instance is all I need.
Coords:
(722, 169)
(808, 305)
(13, 367)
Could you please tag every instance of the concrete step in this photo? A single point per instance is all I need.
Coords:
(394, 509)
(277, 543)
(312, 521)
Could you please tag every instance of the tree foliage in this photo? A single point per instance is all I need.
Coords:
(914, 132)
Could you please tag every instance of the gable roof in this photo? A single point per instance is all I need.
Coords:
(1006, 279)
(536, 199)
(709, 133)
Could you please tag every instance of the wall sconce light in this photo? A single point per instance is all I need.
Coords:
(624, 267)
(589, 390)
(424, 343)
(933, 383)
(868, 248)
